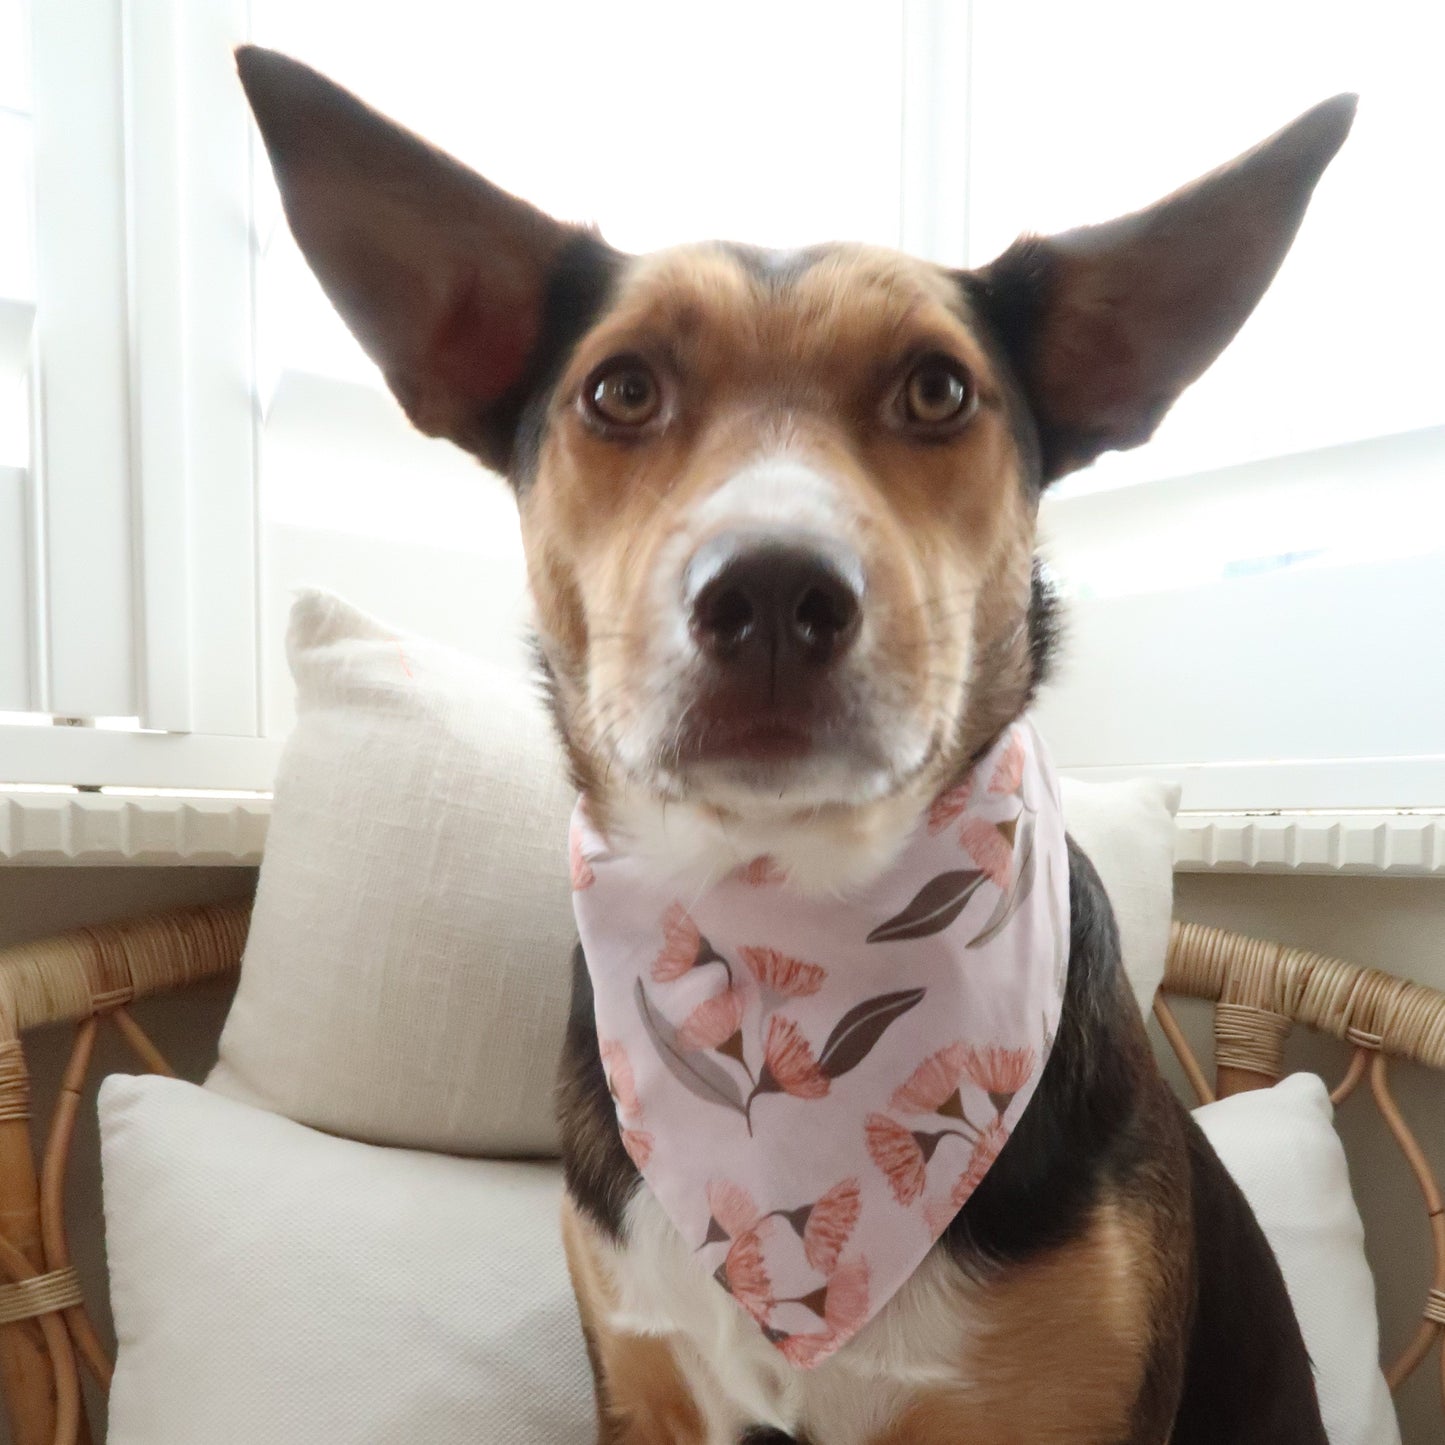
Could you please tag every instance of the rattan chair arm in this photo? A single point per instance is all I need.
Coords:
(1358, 1005)
(72, 975)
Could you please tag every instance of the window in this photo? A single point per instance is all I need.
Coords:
(126, 528)
(187, 433)
(1258, 593)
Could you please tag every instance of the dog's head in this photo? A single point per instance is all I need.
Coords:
(778, 509)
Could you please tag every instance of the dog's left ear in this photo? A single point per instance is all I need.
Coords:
(1106, 325)
(466, 297)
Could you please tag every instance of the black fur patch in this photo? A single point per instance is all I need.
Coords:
(1081, 1126)
(600, 1174)
(1046, 627)
(578, 289)
(1247, 1377)
(1007, 297)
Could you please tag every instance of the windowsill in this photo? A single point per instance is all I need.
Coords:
(46, 828)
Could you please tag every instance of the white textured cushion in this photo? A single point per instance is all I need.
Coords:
(405, 980)
(406, 976)
(273, 1284)
(1127, 829)
(1281, 1147)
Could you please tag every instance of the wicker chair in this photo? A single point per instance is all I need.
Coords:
(90, 976)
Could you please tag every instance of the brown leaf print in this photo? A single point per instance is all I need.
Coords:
(933, 1083)
(948, 806)
(744, 1275)
(932, 908)
(582, 874)
(830, 1225)
(789, 1063)
(895, 1150)
(1008, 774)
(855, 1034)
(732, 1207)
(638, 1143)
(985, 843)
(620, 1082)
(712, 1023)
(987, 1148)
(782, 973)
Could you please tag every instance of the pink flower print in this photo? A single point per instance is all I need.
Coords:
(712, 1023)
(933, 1086)
(999, 1072)
(681, 945)
(988, 1147)
(788, 1059)
(897, 1152)
(582, 874)
(785, 975)
(938, 1215)
(847, 1304)
(762, 872)
(830, 1223)
(989, 848)
(620, 1083)
(732, 1207)
(805, 1351)
(1008, 773)
(638, 1143)
(744, 1275)
(845, 1311)
(950, 805)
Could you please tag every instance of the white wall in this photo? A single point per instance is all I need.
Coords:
(1396, 925)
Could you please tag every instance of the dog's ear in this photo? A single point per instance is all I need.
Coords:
(1106, 325)
(464, 296)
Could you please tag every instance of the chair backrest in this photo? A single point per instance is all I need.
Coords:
(90, 976)
(1260, 990)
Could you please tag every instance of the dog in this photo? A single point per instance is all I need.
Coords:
(779, 512)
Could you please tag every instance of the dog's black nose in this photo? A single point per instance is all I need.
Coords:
(766, 598)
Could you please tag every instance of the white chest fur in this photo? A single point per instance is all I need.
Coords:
(919, 1340)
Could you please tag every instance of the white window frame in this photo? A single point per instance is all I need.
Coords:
(143, 521)
(178, 536)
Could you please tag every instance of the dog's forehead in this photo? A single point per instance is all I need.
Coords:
(788, 299)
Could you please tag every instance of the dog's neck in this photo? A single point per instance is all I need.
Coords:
(821, 850)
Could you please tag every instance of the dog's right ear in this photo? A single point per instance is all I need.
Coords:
(466, 297)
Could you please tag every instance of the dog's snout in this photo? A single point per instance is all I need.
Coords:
(763, 598)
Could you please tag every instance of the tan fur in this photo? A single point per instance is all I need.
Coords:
(1057, 1346)
(1060, 1355)
(804, 368)
(641, 1396)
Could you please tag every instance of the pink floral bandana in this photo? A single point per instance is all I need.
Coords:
(812, 1087)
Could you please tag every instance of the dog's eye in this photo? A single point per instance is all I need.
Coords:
(623, 393)
(938, 392)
